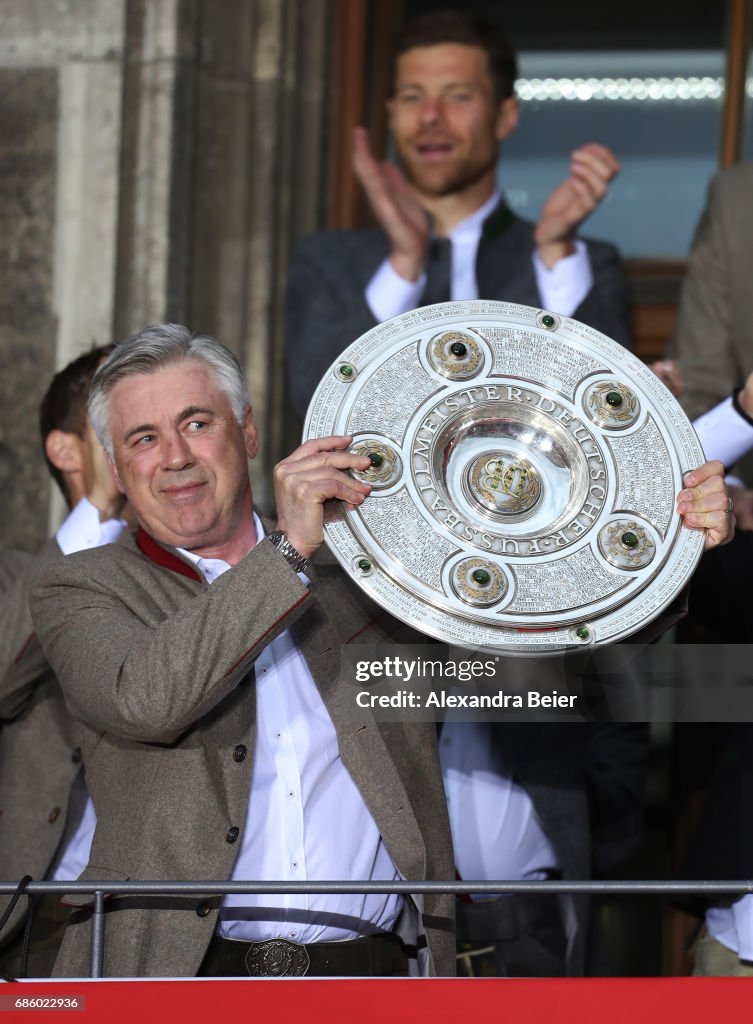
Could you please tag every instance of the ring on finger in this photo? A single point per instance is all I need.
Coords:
(730, 505)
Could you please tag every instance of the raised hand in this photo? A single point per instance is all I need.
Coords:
(401, 216)
(705, 504)
(103, 492)
(592, 167)
(668, 372)
(314, 473)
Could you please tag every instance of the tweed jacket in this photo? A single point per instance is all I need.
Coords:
(17, 673)
(160, 668)
(326, 308)
(713, 336)
(39, 759)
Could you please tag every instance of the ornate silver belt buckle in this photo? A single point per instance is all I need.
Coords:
(277, 958)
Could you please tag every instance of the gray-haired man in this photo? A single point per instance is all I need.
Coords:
(220, 738)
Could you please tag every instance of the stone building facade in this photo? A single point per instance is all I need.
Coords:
(159, 158)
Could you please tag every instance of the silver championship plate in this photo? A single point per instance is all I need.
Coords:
(524, 469)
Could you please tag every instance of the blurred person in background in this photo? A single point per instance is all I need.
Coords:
(47, 816)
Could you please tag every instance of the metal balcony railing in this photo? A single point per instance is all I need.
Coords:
(102, 889)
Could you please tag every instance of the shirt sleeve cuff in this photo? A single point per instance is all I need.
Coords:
(725, 432)
(83, 530)
(388, 294)
(563, 287)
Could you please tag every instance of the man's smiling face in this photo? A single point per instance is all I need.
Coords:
(445, 118)
(181, 457)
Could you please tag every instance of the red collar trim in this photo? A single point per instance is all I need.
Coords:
(156, 553)
(24, 649)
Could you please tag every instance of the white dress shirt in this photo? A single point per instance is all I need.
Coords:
(562, 288)
(495, 828)
(733, 926)
(724, 433)
(306, 819)
(82, 530)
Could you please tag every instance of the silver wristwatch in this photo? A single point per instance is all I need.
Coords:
(289, 553)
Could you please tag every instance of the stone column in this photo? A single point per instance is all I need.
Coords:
(60, 107)
(260, 181)
(160, 157)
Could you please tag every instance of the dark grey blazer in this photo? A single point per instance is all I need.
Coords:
(325, 307)
(160, 667)
(38, 756)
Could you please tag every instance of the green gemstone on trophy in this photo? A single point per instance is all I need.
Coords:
(614, 398)
(458, 349)
(346, 370)
(364, 564)
(629, 539)
(376, 459)
(481, 576)
(547, 321)
(582, 633)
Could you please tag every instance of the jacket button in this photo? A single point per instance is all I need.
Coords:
(232, 834)
(203, 909)
(239, 753)
(76, 755)
(53, 815)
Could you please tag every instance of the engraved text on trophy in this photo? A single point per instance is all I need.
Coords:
(509, 469)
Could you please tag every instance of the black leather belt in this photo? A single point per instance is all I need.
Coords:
(371, 956)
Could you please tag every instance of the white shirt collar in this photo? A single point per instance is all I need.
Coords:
(211, 568)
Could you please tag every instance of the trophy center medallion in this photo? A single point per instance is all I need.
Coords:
(503, 484)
